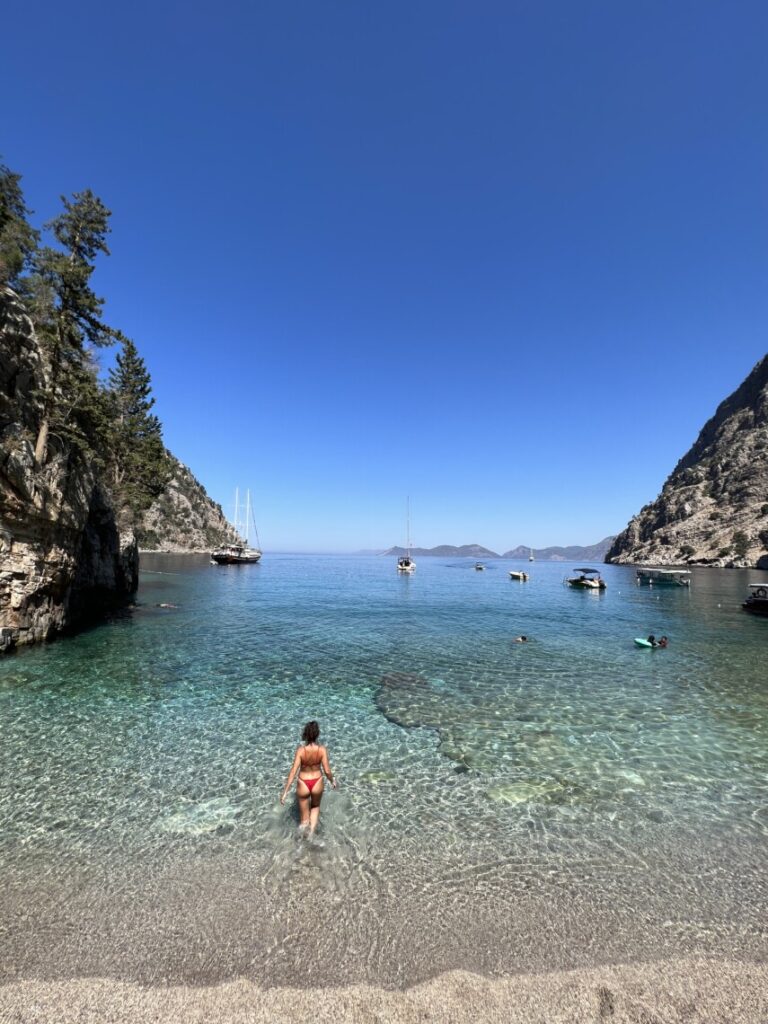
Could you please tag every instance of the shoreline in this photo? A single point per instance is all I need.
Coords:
(685, 991)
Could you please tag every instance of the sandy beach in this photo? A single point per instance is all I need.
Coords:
(690, 991)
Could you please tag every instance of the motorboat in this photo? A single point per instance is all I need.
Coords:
(757, 600)
(479, 566)
(518, 574)
(664, 577)
(587, 579)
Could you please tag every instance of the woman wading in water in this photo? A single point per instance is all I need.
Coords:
(309, 759)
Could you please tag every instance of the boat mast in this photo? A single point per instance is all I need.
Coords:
(247, 516)
(408, 525)
(237, 507)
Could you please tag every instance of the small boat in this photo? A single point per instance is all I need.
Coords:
(235, 554)
(517, 574)
(757, 601)
(239, 554)
(664, 577)
(479, 566)
(530, 555)
(588, 579)
(405, 564)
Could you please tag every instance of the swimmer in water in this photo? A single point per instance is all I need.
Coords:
(309, 760)
(520, 640)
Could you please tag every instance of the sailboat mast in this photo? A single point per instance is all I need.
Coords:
(237, 508)
(247, 516)
(408, 525)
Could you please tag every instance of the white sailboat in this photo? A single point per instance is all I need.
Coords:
(530, 555)
(405, 563)
(239, 554)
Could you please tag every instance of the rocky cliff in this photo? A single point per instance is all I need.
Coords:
(183, 517)
(63, 559)
(713, 508)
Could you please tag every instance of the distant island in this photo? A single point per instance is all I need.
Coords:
(573, 553)
(447, 551)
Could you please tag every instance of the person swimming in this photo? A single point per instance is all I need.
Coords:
(520, 640)
(310, 758)
(653, 641)
(663, 642)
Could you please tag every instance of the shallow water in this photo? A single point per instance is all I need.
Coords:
(503, 806)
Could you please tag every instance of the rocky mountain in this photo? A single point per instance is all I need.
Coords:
(571, 553)
(183, 518)
(63, 556)
(447, 551)
(713, 507)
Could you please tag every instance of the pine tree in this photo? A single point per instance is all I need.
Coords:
(139, 466)
(68, 316)
(18, 239)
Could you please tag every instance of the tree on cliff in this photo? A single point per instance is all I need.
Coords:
(18, 239)
(139, 466)
(68, 316)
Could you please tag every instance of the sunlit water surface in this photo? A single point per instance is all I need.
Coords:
(503, 806)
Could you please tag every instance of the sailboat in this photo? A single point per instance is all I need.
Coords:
(239, 554)
(530, 555)
(405, 563)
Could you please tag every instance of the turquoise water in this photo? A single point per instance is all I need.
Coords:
(502, 806)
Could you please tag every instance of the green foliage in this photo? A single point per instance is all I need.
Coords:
(723, 552)
(686, 551)
(740, 543)
(139, 465)
(764, 510)
(18, 239)
(111, 427)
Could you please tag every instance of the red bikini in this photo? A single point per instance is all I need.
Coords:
(309, 783)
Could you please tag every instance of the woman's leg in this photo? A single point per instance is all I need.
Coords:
(314, 801)
(303, 796)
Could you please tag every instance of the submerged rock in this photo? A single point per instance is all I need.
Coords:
(207, 816)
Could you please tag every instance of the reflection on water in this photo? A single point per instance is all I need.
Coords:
(575, 764)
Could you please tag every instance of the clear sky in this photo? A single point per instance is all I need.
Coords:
(503, 257)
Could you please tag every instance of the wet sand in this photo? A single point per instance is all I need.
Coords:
(690, 991)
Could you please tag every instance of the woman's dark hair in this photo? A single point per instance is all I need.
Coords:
(311, 732)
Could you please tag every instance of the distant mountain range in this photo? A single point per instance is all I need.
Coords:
(447, 551)
(574, 553)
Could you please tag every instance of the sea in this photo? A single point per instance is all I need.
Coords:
(502, 807)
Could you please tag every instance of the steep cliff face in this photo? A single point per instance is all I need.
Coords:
(183, 518)
(713, 508)
(63, 559)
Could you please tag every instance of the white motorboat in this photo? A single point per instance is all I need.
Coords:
(588, 579)
(664, 577)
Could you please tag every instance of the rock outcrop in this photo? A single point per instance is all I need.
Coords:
(713, 508)
(63, 559)
(183, 518)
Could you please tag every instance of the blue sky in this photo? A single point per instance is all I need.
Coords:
(505, 258)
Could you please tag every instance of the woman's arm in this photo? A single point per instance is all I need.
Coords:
(327, 769)
(294, 768)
